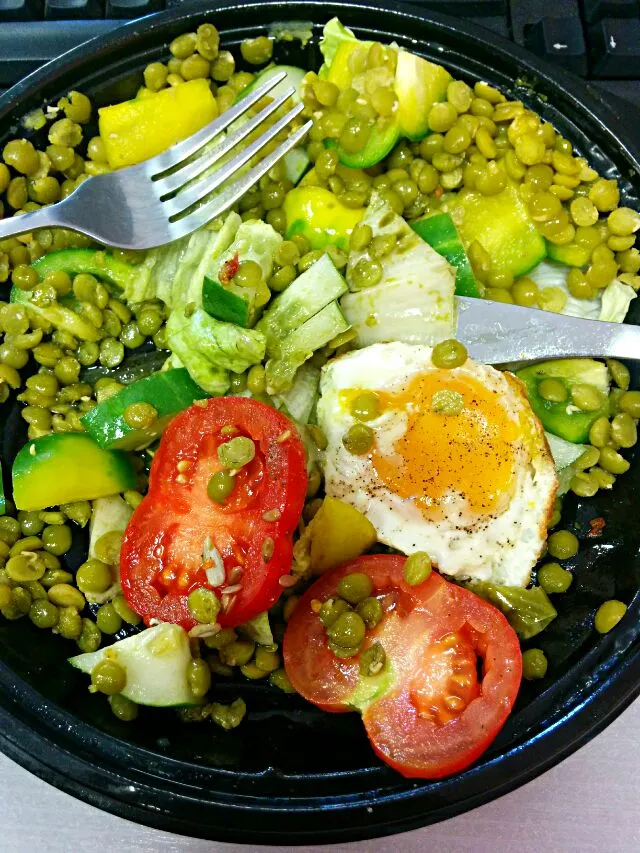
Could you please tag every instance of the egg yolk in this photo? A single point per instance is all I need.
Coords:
(472, 454)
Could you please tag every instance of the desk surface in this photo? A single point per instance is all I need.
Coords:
(588, 804)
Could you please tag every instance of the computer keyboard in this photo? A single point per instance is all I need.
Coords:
(598, 40)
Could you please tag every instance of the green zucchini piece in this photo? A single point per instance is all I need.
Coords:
(99, 263)
(294, 79)
(502, 226)
(439, 231)
(66, 467)
(562, 419)
(156, 662)
(169, 392)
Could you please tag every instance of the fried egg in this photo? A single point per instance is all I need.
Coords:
(474, 489)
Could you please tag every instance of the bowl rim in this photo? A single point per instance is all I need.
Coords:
(47, 747)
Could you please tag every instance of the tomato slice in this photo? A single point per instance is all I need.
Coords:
(177, 532)
(428, 713)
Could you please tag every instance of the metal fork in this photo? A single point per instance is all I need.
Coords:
(170, 195)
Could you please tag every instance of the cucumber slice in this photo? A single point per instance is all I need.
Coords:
(296, 162)
(108, 515)
(502, 226)
(318, 215)
(419, 84)
(156, 662)
(98, 263)
(66, 467)
(381, 141)
(306, 296)
(169, 392)
(300, 399)
(296, 348)
(572, 255)
(229, 303)
(294, 78)
(440, 232)
(62, 315)
(563, 419)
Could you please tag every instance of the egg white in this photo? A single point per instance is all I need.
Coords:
(501, 547)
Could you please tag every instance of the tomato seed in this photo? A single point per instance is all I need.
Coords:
(268, 547)
(284, 436)
(183, 465)
(271, 515)
(287, 581)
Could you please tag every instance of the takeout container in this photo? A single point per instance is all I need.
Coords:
(290, 773)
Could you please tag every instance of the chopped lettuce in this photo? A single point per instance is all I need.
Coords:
(414, 300)
(333, 34)
(565, 455)
(611, 304)
(529, 611)
(254, 241)
(259, 629)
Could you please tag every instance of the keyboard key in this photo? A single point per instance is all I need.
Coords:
(463, 8)
(525, 13)
(24, 47)
(20, 10)
(559, 41)
(132, 8)
(596, 10)
(72, 10)
(615, 48)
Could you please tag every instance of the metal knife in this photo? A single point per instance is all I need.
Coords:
(496, 333)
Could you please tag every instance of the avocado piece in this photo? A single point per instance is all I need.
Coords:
(419, 84)
(563, 419)
(169, 392)
(502, 226)
(319, 216)
(65, 467)
(439, 231)
(156, 662)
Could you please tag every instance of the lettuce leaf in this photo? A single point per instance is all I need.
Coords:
(333, 34)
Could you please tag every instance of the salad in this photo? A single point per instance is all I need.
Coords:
(284, 465)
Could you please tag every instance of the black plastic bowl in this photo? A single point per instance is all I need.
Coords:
(291, 774)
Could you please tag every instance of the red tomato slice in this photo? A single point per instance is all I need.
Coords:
(427, 714)
(163, 556)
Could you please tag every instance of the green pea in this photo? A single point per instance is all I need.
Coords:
(280, 679)
(79, 512)
(57, 539)
(253, 672)
(237, 452)
(65, 595)
(358, 439)
(198, 677)
(69, 623)
(25, 567)
(90, 637)
(257, 51)
(54, 576)
(221, 639)
(228, 716)
(109, 677)
(355, 587)
(360, 238)
(108, 620)
(562, 545)
(37, 591)
(587, 397)
(367, 272)
(623, 430)
(604, 479)
(608, 615)
(124, 611)
(94, 576)
(43, 614)
(29, 543)
(365, 407)
(372, 660)
(612, 461)
(266, 660)
(620, 373)
(589, 458)
(584, 485)
(124, 709)
(534, 664)
(417, 568)
(5, 595)
(446, 402)
(220, 486)
(449, 354)
(553, 578)
(347, 631)
(552, 390)
(331, 609)
(370, 611)
(256, 379)
(9, 529)
(282, 278)
(600, 432)
(203, 605)
(238, 652)
(630, 403)
(140, 415)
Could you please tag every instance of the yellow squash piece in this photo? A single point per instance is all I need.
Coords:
(339, 532)
(320, 216)
(136, 130)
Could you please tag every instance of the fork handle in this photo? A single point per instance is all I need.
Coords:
(45, 217)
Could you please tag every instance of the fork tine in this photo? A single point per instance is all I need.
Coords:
(203, 215)
(170, 159)
(191, 170)
(184, 200)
